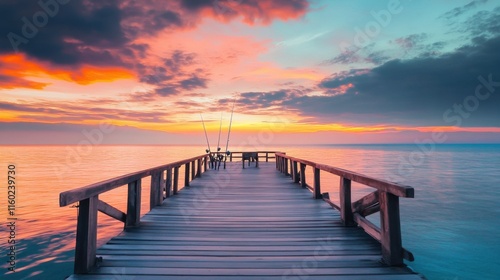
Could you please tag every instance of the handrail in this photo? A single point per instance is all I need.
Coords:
(384, 200)
(89, 203)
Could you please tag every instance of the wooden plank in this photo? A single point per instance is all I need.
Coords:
(133, 204)
(86, 235)
(111, 211)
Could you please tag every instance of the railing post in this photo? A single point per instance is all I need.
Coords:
(303, 175)
(285, 166)
(156, 195)
(317, 184)
(345, 202)
(86, 235)
(133, 204)
(176, 180)
(231, 157)
(198, 171)
(390, 229)
(295, 173)
(267, 157)
(168, 184)
(205, 164)
(193, 169)
(186, 174)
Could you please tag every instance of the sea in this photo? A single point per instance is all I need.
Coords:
(452, 226)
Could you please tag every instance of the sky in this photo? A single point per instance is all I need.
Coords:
(291, 71)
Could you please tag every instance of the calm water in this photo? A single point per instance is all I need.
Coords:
(452, 225)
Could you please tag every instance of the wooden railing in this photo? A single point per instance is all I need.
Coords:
(261, 154)
(163, 182)
(385, 199)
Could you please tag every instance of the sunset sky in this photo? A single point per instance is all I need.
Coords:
(298, 71)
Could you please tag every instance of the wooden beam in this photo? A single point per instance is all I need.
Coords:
(133, 204)
(86, 235)
(168, 183)
(176, 180)
(365, 202)
(193, 169)
(317, 184)
(392, 250)
(368, 226)
(155, 195)
(296, 177)
(198, 170)
(345, 202)
(186, 174)
(111, 211)
(303, 175)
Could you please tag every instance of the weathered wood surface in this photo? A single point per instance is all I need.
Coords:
(243, 224)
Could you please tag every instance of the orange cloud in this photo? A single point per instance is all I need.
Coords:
(17, 71)
(256, 12)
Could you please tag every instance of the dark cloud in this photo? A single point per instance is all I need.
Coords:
(193, 82)
(458, 11)
(174, 74)
(416, 91)
(103, 32)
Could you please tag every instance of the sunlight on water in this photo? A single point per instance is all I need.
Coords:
(451, 225)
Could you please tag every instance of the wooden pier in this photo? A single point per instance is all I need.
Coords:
(235, 223)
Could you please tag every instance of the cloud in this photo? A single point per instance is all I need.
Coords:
(413, 91)
(458, 11)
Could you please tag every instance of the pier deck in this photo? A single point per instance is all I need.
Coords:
(252, 223)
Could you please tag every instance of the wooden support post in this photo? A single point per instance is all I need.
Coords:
(285, 165)
(317, 184)
(346, 215)
(156, 196)
(198, 171)
(257, 160)
(267, 157)
(186, 174)
(205, 164)
(86, 235)
(176, 180)
(231, 157)
(193, 169)
(133, 204)
(296, 177)
(303, 175)
(390, 229)
(168, 184)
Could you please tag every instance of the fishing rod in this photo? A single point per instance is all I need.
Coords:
(220, 129)
(206, 136)
(229, 130)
